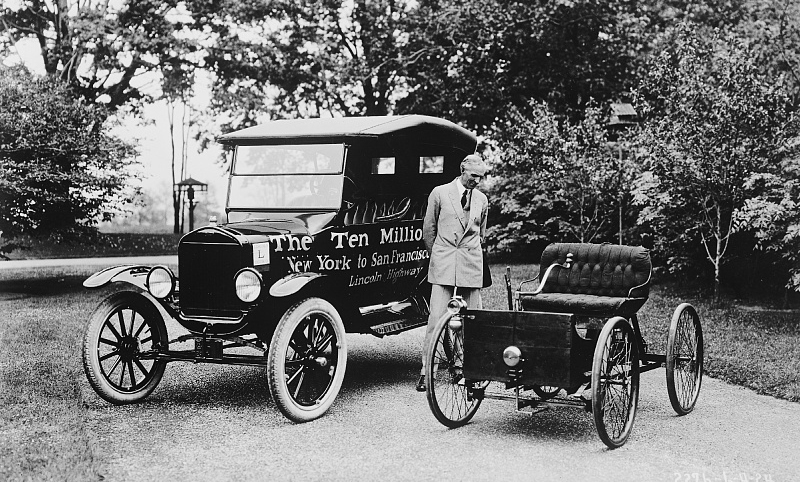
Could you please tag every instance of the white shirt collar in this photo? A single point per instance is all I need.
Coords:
(461, 187)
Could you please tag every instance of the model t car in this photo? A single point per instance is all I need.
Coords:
(572, 341)
(323, 236)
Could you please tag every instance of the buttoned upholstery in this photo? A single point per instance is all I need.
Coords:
(367, 211)
(604, 280)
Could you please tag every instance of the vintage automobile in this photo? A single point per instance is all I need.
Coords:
(573, 341)
(323, 237)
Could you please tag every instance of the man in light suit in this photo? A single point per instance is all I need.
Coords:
(454, 227)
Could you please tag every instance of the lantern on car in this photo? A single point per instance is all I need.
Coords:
(511, 356)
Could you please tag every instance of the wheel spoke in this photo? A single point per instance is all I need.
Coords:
(131, 375)
(109, 355)
(299, 383)
(113, 330)
(139, 331)
(114, 367)
(122, 376)
(145, 371)
(122, 324)
(115, 344)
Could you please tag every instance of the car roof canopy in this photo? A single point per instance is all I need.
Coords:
(339, 129)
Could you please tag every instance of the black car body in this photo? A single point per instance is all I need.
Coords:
(323, 236)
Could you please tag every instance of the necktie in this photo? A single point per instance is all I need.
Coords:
(465, 199)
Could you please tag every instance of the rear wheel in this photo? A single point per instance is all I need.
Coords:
(684, 359)
(615, 382)
(122, 336)
(307, 360)
(450, 397)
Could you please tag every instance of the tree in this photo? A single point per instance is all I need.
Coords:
(555, 182)
(474, 61)
(308, 58)
(712, 123)
(108, 52)
(60, 171)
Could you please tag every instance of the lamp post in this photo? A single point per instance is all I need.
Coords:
(623, 116)
(190, 187)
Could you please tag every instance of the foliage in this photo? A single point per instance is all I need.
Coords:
(104, 49)
(60, 170)
(773, 216)
(308, 58)
(556, 182)
(474, 61)
(713, 123)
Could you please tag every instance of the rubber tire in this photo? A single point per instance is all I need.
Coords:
(446, 397)
(681, 403)
(279, 348)
(617, 436)
(96, 326)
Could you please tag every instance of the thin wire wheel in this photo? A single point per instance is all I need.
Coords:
(615, 382)
(684, 359)
(450, 396)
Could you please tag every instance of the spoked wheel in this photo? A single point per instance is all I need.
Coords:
(545, 392)
(684, 359)
(450, 396)
(122, 337)
(307, 360)
(615, 382)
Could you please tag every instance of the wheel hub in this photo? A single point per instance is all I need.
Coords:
(128, 348)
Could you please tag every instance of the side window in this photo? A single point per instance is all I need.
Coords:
(383, 165)
(431, 164)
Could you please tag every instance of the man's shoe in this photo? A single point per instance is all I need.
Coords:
(421, 383)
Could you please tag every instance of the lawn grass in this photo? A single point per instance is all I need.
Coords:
(43, 416)
(42, 420)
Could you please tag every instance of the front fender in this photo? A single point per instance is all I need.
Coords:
(135, 275)
(291, 284)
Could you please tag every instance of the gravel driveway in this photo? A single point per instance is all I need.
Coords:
(213, 423)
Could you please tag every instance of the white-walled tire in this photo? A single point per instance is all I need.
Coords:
(307, 359)
(121, 336)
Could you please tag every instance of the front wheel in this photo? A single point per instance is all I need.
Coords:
(450, 396)
(615, 382)
(122, 338)
(684, 359)
(307, 360)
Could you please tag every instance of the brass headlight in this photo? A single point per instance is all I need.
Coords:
(160, 282)
(248, 285)
(456, 304)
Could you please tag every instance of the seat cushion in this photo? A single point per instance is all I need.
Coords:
(582, 304)
(604, 270)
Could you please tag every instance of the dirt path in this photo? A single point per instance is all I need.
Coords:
(212, 423)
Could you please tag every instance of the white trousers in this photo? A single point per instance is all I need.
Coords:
(440, 296)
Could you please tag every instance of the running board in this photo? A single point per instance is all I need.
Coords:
(397, 326)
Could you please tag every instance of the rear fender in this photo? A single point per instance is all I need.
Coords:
(135, 275)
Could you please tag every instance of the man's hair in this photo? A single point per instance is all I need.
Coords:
(473, 160)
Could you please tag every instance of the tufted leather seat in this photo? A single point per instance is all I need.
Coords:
(368, 211)
(604, 280)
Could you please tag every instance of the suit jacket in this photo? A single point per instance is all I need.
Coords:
(454, 240)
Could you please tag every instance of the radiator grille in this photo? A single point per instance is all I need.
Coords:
(206, 274)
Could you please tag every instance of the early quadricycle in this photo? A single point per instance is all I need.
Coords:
(323, 236)
(572, 341)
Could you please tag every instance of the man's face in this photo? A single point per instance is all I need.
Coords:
(472, 176)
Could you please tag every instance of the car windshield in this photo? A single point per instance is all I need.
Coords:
(289, 176)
